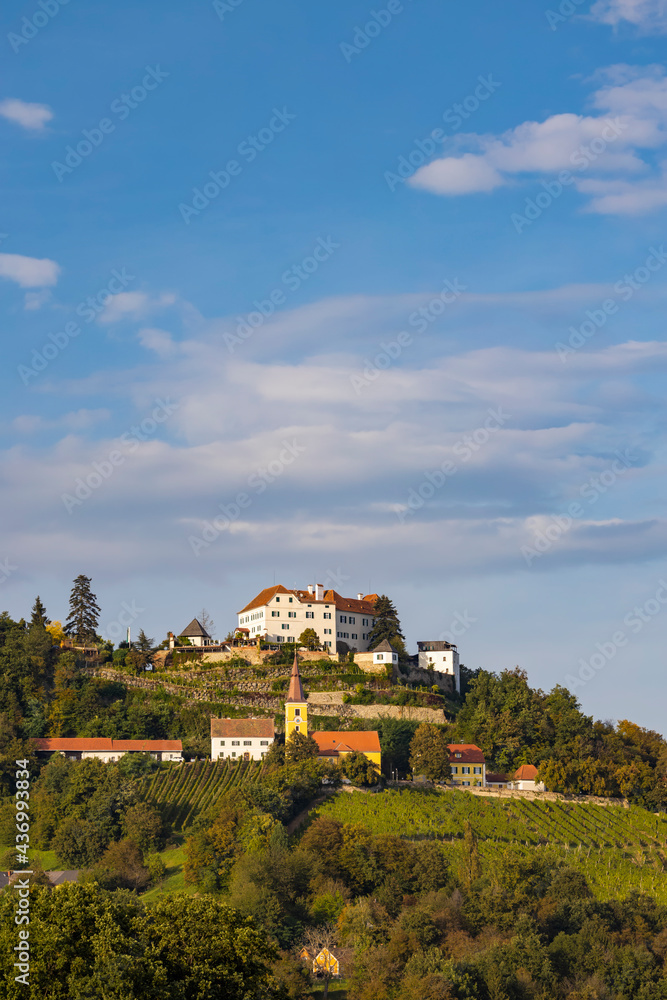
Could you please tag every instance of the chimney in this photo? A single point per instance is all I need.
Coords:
(310, 588)
(170, 636)
(360, 597)
(319, 592)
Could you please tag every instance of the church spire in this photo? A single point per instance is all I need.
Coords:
(296, 708)
(295, 692)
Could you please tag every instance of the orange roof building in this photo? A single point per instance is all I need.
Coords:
(277, 614)
(107, 750)
(467, 763)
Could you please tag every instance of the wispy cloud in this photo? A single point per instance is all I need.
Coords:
(607, 154)
(650, 16)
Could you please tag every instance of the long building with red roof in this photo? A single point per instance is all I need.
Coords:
(107, 750)
(277, 614)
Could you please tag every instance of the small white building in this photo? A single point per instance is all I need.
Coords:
(378, 658)
(196, 633)
(241, 739)
(525, 779)
(441, 656)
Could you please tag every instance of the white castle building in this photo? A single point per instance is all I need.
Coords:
(441, 656)
(281, 615)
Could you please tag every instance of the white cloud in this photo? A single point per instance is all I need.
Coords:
(28, 272)
(35, 300)
(650, 16)
(632, 122)
(30, 116)
(154, 339)
(133, 306)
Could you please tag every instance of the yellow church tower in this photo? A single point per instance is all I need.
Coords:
(296, 709)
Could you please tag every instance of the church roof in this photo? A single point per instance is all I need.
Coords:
(367, 741)
(194, 629)
(295, 692)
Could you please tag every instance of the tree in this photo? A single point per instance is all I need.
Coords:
(143, 643)
(84, 612)
(359, 769)
(429, 753)
(387, 626)
(309, 638)
(207, 622)
(142, 823)
(300, 747)
(39, 614)
(122, 867)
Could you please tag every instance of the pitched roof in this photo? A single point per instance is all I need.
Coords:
(364, 606)
(295, 692)
(232, 728)
(496, 779)
(59, 878)
(527, 772)
(366, 741)
(195, 628)
(100, 744)
(264, 597)
(384, 647)
(470, 754)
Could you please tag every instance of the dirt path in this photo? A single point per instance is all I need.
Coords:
(303, 815)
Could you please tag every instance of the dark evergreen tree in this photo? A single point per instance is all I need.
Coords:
(387, 626)
(143, 643)
(39, 613)
(84, 612)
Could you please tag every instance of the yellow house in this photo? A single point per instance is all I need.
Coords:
(326, 962)
(332, 745)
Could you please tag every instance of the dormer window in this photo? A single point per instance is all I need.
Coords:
(457, 754)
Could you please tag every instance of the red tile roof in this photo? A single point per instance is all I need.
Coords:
(496, 779)
(470, 754)
(366, 606)
(264, 597)
(527, 772)
(102, 744)
(232, 728)
(342, 742)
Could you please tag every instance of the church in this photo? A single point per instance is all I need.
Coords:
(229, 735)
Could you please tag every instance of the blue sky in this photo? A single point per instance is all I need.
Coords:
(411, 340)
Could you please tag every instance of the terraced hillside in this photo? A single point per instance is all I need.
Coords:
(618, 849)
(182, 792)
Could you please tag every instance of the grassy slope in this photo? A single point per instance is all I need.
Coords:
(174, 858)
